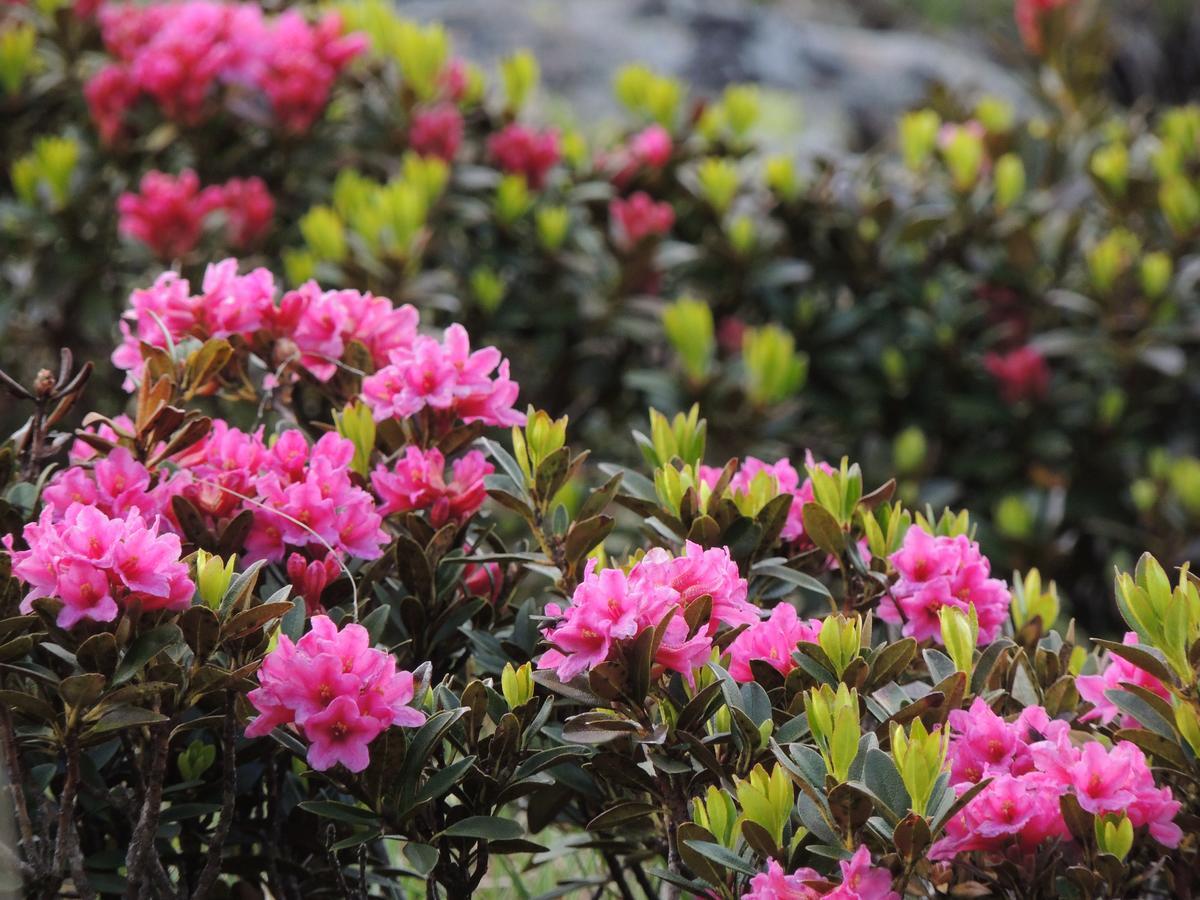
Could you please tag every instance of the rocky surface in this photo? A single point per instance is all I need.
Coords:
(850, 82)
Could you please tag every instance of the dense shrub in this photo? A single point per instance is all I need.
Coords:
(301, 652)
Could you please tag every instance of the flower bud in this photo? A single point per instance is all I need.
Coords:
(648, 94)
(1114, 834)
(920, 757)
(767, 800)
(1180, 202)
(552, 225)
(918, 136)
(519, 74)
(960, 634)
(833, 719)
(487, 288)
(213, 576)
(1155, 273)
(517, 685)
(1111, 257)
(742, 106)
(716, 812)
(1030, 600)
(681, 438)
(963, 152)
(513, 199)
(775, 371)
(718, 181)
(995, 114)
(1110, 165)
(840, 637)
(357, 425)
(1167, 619)
(688, 323)
(742, 235)
(17, 57)
(542, 436)
(1009, 178)
(324, 234)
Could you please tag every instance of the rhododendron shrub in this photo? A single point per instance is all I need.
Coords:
(365, 610)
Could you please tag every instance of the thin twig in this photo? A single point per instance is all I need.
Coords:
(142, 841)
(16, 781)
(212, 865)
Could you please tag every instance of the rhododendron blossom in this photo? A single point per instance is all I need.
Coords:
(787, 481)
(336, 690)
(638, 218)
(309, 326)
(610, 607)
(937, 571)
(519, 149)
(99, 565)
(446, 377)
(1022, 374)
(1030, 17)
(182, 55)
(1117, 671)
(310, 578)
(418, 482)
(301, 497)
(1032, 762)
(116, 485)
(772, 640)
(860, 881)
(437, 131)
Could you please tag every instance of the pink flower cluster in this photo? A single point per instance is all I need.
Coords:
(418, 482)
(447, 378)
(1022, 374)
(860, 881)
(117, 485)
(1033, 763)
(649, 149)
(183, 54)
(301, 497)
(787, 481)
(310, 578)
(520, 150)
(610, 608)
(937, 571)
(169, 212)
(314, 325)
(1118, 671)
(638, 218)
(337, 690)
(1030, 16)
(98, 565)
(772, 640)
(437, 131)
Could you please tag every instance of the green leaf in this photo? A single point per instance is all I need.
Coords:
(802, 580)
(882, 779)
(126, 717)
(144, 649)
(443, 780)
(622, 814)
(823, 529)
(1133, 705)
(722, 856)
(342, 812)
(487, 828)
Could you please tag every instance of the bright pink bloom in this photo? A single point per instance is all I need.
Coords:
(1021, 374)
(168, 212)
(860, 881)
(309, 579)
(787, 481)
(249, 209)
(772, 640)
(652, 146)
(437, 131)
(1030, 16)
(1117, 672)
(518, 149)
(446, 378)
(110, 94)
(337, 690)
(454, 80)
(98, 565)
(639, 218)
(610, 608)
(418, 482)
(483, 580)
(116, 485)
(937, 571)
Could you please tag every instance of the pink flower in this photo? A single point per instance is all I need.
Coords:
(168, 212)
(117, 485)
(860, 881)
(772, 640)
(518, 149)
(1021, 374)
(787, 481)
(937, 571)
(249, 209)
(437, 131)
(639, 218)
(610, 608)
(311, 578)
(1118, 671)
(446, 378)
(338, 691)
(483, 580)
(1030, 16)
(97, 565)
(110, 94)
(418, 482)
(652, 146)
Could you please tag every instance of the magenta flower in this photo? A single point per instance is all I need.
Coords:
(249, 210)
(168, 212)
(638, 218)
(1117, 672)
(309, 579)
(937, 571)
(518, 149)
(860, 881)
(437, 131)
(1022, 374)
(97, 565)
(446, 378)
(336, 690)
(772, 640)
(418, 483)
